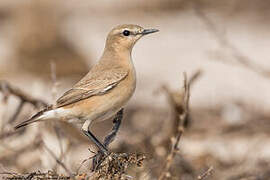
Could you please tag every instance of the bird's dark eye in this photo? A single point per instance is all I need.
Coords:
(126, 33)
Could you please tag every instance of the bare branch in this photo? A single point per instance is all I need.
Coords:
(179, 101)
(207, 173)
(179, 129)
(8, 88)
(54, 80)
(58, 161)
(17, 112)
(8, 134)
(11, 154)
(170, 157)
(239, 56)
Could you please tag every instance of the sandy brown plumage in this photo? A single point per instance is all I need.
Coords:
(94, 83)
(105, 89)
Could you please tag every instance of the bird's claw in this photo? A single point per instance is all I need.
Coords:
(98, 159)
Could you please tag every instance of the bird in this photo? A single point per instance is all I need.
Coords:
(104, 90)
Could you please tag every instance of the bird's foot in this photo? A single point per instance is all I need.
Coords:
(98, 158)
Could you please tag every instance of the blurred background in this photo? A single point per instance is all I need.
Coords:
(46, 46)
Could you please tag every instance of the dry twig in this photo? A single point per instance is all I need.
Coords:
(179, 129)
(239, 56)
(177, 100)
(59, 161)
(207, 173)
(7, 89)
(54, 92)
(7, 134)
(12, 154)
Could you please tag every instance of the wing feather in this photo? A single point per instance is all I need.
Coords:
(93, 84)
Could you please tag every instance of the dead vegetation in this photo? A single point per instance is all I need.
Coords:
(229, 141)
(115, 166)
(170, 164)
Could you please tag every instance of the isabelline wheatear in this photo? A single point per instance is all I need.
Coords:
(104, 91)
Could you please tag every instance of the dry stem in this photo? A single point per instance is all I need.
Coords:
(179, 129)
(58, 161)
(207, 173)
(239, 56)
(8, 89)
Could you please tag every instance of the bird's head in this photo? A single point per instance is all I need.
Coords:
(123, 37)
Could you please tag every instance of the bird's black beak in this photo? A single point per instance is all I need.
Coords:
(149, 31)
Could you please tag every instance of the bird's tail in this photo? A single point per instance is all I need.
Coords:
(37, 117)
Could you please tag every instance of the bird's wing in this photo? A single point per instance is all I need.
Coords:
(93, 84)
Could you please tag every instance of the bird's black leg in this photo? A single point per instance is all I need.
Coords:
(101, 147)
(116, 124)
(109, 138)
